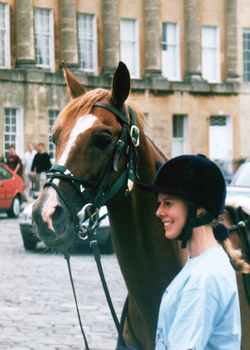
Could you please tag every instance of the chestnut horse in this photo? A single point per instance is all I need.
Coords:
(101, 151)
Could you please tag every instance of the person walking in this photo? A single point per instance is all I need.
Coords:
(200, 308)
(27, 163)
(14, 161)
(40, 165)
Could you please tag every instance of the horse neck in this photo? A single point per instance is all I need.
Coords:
(138, 235)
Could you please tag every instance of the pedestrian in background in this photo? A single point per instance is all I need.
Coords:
(14, 161)
(200, 308)
(40, 165)
(27, 163)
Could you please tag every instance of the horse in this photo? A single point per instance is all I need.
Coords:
(237, 211)
(104, 156)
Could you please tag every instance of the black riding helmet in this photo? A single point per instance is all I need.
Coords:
(198, 181)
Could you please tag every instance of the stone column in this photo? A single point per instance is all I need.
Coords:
(231, 40)
(111, 35)
(152, 37)
(69, 51)
(25, 46)
(192, 40)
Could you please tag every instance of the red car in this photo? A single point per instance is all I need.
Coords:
(11, 191)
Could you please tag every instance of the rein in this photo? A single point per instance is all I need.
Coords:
(127, 143)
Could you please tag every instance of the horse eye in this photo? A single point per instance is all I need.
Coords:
(102, 138)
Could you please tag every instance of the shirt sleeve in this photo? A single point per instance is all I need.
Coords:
(194, 320)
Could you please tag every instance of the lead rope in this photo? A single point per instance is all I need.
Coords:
(67, 258)
(96, 252)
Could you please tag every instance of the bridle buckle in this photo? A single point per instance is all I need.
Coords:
(135, 135)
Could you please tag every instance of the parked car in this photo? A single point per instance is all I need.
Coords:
(31, 239)
(240, 184)
(11, 191)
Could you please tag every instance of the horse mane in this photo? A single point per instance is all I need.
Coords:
(83, 105)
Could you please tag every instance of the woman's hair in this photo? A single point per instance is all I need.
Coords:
(237, 258)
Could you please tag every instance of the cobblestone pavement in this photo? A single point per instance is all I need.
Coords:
(36, 303)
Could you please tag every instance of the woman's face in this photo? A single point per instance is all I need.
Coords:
(172, 212)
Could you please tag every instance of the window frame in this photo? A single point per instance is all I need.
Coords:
(19, 130)
(217, 68)
(245, 72)
(51, 121)
(51, 40)
(135, 73)
(7, 39)
(176, 46)
(94, 42)
(183, 141)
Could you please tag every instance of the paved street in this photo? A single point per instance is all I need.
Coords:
(36, 302)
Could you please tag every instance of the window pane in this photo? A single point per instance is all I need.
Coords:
(3, 35)
(87, 41)
(210, 54)
(43, 37)
(52, 117)
(170, 51)
(178, 125)
(246, 54)
(9, 127)
(129, 45)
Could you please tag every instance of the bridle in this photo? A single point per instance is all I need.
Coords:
(95, 198)
(99, 194)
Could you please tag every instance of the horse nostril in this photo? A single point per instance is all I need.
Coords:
(59, 220)
(57, 213)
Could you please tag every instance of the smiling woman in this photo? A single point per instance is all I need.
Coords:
(200, 308)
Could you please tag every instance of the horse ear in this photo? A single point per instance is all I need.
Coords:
(120, 85)
(74, 87)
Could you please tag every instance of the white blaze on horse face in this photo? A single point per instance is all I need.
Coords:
(83, 123)
(49, 207)
(52, 200)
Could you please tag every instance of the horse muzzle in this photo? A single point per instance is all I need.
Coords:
(54, 225)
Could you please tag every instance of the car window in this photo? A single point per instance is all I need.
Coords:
(242, 176)
(4, 174)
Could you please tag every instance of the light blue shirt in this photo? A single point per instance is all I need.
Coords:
(200, 308)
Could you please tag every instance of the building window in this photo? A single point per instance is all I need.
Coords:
(179, 134)
(13, 130)
(4, 35)
(87, 42)
(246, 54)
(210, 54)
(170, 53)
(52, 117)
(220, 128)
(44, 37)
(129, 48)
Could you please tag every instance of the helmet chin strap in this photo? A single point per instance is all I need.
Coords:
(193, 221)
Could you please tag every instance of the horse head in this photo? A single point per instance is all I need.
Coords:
(93, 142)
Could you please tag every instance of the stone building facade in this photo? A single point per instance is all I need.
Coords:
(189, 60)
